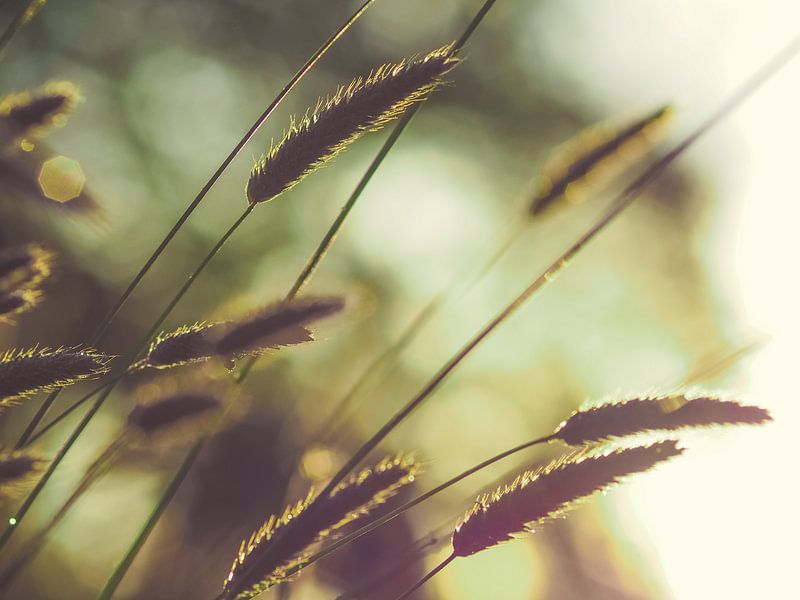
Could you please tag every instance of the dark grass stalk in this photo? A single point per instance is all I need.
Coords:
(119, 572)
(428, 576)
(34, 437)
(302, 280)
(625, 199)
(368, 528)
(101, 399)
(342, 410)
(109, 318)
(583, 165)
(333, 231)
(329, 430)
(33, 546)
(20, 19)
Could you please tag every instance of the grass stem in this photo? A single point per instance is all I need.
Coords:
(109, 318)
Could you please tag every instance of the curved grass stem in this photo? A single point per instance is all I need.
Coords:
(425, 579)
(84, 422)
(623, 201)
(27, 11)
(109, 318)
(302, 279)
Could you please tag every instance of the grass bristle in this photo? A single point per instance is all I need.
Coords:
(277, 325)
(665, 413)
(260, 565)
(27, 372)
(34, 114)
(16, 470)
(24, 266)
(17, 302)
(366, 104)
(535, 497)
(594, 157)
(185, 345)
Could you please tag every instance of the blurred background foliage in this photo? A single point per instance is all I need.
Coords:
(169, 87)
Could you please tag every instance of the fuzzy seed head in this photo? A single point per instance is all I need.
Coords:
(366, 104)
(536, 497)
(187, 344)
(34, 114)
(26, 372)
(17, 469)
(260, 565)
(276, 325)
(174, 411)
(652, 414)
(595, 157)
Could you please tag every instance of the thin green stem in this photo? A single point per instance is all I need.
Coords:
(424, 580)
(625, 199)
(26, 12)
(100, 400)
(119, 572)
(70, 409)
(333, 231)
(35, 544)
(380, 522)
(343, 411)
(109, 318)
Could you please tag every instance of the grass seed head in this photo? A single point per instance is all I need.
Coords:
(652, 414)
(365, 104)
(261, 565)
(590, 160)
(535, 497)
(26, 372)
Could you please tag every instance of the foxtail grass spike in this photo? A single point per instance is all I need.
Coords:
(536, 497)
(169, 413)
(17, 469)
(24, 266)
(33, 114)
(594, 157)
(26, 372)
(664, 413)
(17, 302)
(185, 345)
(366, 104)
(277, 325)
(260, 564)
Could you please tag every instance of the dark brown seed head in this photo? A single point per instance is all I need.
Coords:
(366, 104)
(16, 469)
(261, 564)
(17, 302)
(165, 414)
(29, 371)
(533, 498)
(29, 114)
(187, 344)
(665, 413)
(276, 325)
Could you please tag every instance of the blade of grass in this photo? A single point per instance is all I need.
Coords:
(109, 318)
(333, 231)
(303, 278)
(625, 199)
(84, 422)
(116, 577)
(26, 12)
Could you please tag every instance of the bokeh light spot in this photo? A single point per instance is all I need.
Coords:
(61, 179)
